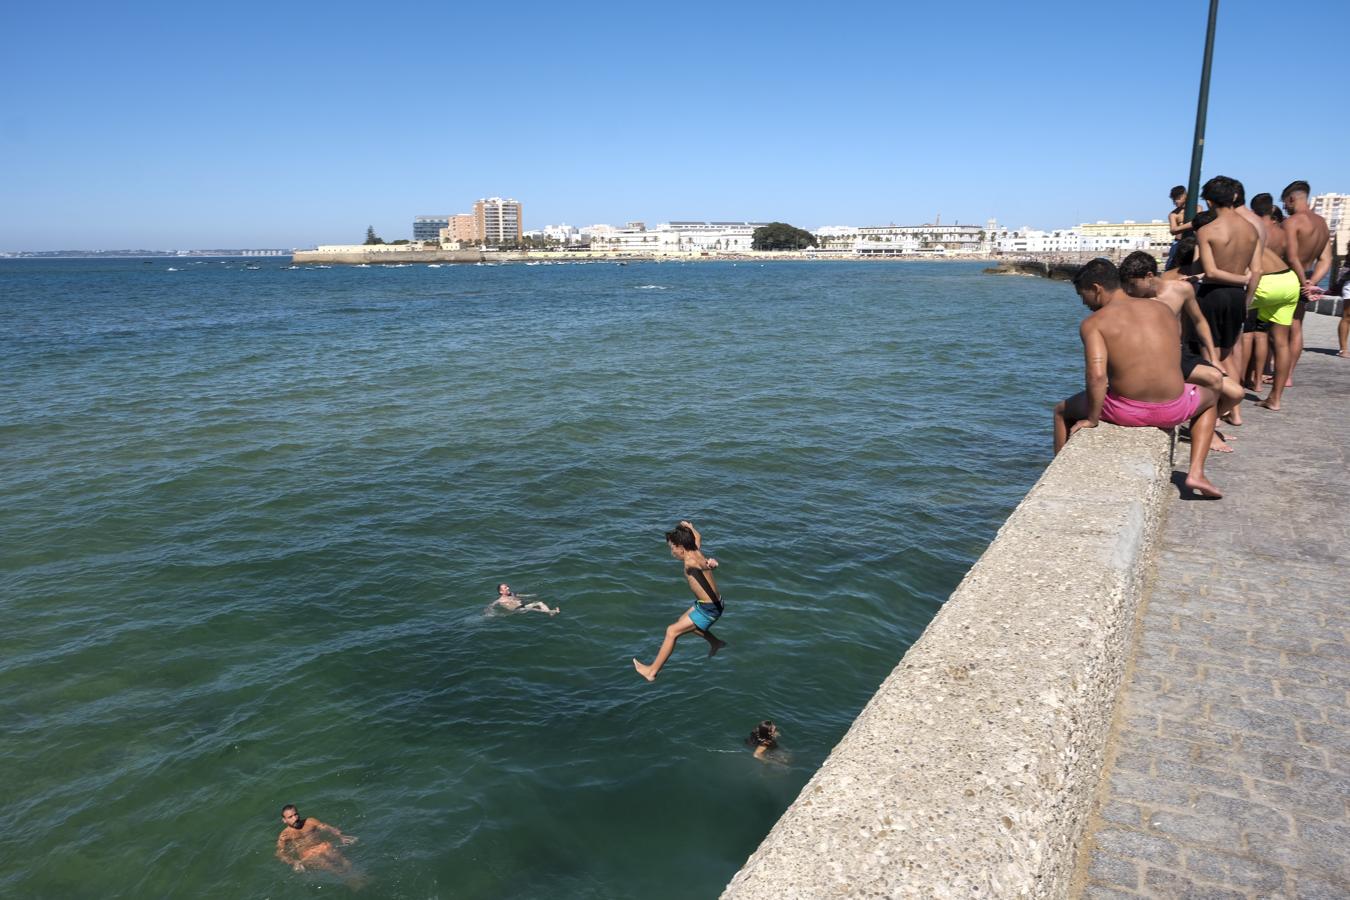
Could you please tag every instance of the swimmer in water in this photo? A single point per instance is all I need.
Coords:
(685, 545)
(510, 601)
(301, 846)
(764, 738)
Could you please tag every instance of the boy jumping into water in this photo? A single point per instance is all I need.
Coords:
(686, 546)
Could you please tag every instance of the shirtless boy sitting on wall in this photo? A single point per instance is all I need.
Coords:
(1139, 278)
(1132, 354)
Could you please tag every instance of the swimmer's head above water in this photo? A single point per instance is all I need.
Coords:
(504, 590)
(765, 734)
(291, 816)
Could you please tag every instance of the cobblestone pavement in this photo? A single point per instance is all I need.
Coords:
(1229, 770)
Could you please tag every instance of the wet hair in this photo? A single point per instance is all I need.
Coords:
(1294, 187)
(1263, 204)
(762, 736)
(1100, 271)
(503, 585)
(681, 537)
(1185, 254)
(1139, 264)
(289, 807)
(1203, 219)
(1221, 191)
(1177, 192)
(1276, 214)
(1240, 197)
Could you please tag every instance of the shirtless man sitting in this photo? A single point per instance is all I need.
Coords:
(1132, 353)
(301, 847)
(1308, 252)
(1229, 249)
(1139, 278)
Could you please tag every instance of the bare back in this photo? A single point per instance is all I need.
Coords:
(1272, 257)
(1311, 234)
(1232, 240)
(1143, 349)
(1174, 293)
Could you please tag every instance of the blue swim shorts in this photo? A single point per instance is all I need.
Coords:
(705, 614)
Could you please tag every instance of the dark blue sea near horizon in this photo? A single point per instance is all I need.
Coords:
(253, 514)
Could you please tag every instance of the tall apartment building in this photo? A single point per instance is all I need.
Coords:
(498, 221)
(1335, 208)
(428, 228)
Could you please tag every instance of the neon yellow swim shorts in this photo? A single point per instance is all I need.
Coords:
(1276, 297)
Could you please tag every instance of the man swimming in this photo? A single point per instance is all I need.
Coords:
(1229, 250)
(686, 545)
(510, 601)
(1139, 278)
(300, 846)
(1308, 252)
(1132, 355)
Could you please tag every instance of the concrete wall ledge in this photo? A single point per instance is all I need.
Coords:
(972, 770)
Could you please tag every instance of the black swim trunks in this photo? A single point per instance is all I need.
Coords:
(1224, 307)
(1190, 360)
(1254, 323)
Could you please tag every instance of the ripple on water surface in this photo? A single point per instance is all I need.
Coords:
(256, 516)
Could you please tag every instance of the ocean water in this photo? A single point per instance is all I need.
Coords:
(254, 513)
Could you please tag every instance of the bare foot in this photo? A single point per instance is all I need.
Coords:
(1266, 404)
(1232, 417)
(1289, 382)
(1267, 379)
(1218, 445)
(1344, 355)
(1202, 487)
(644, 671)
(715, 645)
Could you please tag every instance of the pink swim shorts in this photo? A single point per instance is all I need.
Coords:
(1120, 410)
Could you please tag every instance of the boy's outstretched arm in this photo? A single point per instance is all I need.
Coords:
(698, 539)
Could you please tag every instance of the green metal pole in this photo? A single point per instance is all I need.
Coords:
(1198, 148)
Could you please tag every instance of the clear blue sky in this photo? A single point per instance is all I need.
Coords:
(169, 125)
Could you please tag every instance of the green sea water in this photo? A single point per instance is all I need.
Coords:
(254, 513)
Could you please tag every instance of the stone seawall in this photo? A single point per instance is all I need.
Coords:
(972, 770)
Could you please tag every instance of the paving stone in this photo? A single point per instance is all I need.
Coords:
(1234, 871)
(1097, 892)
(1113, 871)
(1195, 829)
(1122, 813)
(1162, 883)
(1172, 770)
(1310, 887)
(1137, 845)
(1149, 791)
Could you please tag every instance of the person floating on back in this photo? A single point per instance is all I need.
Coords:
(686, 546)
(1132, 350)
(301, 846)
(510, 601)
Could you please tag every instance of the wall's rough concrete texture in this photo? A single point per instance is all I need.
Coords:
(971, 771)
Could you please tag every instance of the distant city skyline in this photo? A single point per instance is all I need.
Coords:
(173, 127)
